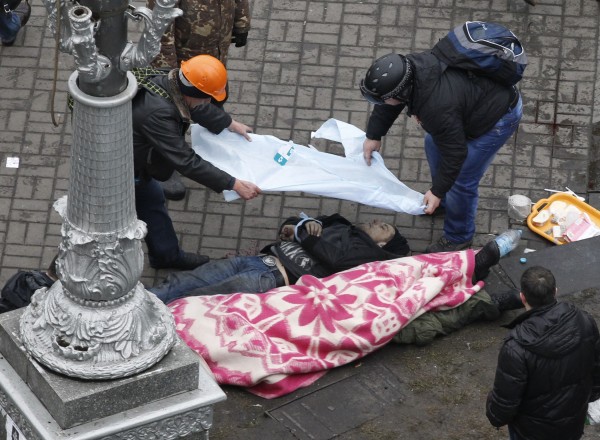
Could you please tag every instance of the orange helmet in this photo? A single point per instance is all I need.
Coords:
(205, 73)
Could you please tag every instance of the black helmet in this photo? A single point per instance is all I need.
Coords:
(387, 77)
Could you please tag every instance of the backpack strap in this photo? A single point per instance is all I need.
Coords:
(143, 74)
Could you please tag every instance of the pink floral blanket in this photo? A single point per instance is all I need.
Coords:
(285, 339)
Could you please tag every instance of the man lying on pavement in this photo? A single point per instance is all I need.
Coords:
(288, 337)
(307, 246)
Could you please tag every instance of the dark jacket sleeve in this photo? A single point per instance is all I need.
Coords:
(381, 119)
(163, 134)
(341, 247)
(509, 386)
(596, 371)
(211, 117)
(449, 137)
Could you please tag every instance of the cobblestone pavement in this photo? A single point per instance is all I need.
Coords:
(301, 66)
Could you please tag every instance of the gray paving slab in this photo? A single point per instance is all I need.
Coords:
(570, 263)
(301, 66)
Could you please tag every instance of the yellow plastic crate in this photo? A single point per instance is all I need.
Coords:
(545, 230)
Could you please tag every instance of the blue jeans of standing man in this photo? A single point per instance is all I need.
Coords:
(161, 239)
(10, 24)
(461, 201)
(238, 274)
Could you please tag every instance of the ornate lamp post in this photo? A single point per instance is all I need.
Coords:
(98, 321)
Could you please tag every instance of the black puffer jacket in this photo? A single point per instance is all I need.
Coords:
(548, 371)
(452, 105)
(340, 246)
(159, 146)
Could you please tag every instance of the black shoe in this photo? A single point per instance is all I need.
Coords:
(186, 261)
(444, 245)
(510, 300)
(174, 188)
(488, 256)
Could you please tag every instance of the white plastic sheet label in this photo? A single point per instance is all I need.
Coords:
(284, 154)
(277, 165)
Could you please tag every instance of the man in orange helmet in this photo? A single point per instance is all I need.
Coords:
(162, 111)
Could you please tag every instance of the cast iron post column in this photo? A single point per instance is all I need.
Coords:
(98, 321)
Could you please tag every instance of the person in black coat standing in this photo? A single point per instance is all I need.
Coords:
(468, 118)
(548, 367)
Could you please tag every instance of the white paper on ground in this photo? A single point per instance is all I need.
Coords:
(274, 165)
(12, 162)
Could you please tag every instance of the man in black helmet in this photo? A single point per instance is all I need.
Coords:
(467, 119)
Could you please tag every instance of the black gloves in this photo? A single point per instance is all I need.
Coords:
(239, 39)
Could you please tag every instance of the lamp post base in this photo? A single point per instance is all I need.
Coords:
(46, 405)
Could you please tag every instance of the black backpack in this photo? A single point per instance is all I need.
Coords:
(18, 290)
(487, 49)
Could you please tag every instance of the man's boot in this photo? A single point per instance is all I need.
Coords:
(174, 188)
(509, 300)
(487, 257)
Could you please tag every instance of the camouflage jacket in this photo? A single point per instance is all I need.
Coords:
(205, 28)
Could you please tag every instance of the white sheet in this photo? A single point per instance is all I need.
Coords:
(274, 165)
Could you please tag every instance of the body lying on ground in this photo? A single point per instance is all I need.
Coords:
(318, 247)
(288, 337)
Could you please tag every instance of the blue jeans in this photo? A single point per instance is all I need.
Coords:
(161, 239)
(461, 201)
(9, 25)
(237, 274)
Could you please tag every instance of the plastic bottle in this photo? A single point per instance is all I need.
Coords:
(508, 240)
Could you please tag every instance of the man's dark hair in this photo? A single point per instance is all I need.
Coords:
(539, 286)
(397, 244)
